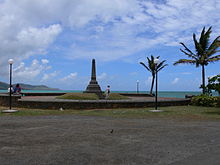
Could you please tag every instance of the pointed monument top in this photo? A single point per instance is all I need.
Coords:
(93, 75)
(93, 86)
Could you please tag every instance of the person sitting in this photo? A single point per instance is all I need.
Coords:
(17, 89)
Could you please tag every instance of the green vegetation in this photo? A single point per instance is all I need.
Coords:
(151, 67)
(35, 87)
(205, 100)
(79, 96)
(116, 96)
(174, 112)
(3, 86)
(204, 53)
(214, 84)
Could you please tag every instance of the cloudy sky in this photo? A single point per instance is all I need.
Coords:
(53, 41)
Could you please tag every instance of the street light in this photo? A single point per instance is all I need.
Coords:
(156, 62)
(10, 62)
(137, 86)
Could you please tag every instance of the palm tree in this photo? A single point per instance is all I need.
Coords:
(204, 52)
(151, 66)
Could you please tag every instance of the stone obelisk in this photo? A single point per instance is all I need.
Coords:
(93, 86)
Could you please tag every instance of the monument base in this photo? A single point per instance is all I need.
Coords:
(155, 110)
(9, 111)
(93, 88)
(90, 89)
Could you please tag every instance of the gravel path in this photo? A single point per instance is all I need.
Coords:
(69, 139)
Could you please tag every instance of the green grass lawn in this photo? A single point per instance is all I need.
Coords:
(175, 112)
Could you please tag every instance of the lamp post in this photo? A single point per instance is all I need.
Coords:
(137, 86)
(156, 62)
(10, 62)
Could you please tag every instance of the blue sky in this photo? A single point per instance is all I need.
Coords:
(54, 41)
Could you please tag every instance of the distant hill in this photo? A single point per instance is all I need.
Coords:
(4, 86)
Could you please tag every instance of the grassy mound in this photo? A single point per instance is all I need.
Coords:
(117, 96)
(79, 96)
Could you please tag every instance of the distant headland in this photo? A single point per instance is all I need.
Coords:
(5, 86)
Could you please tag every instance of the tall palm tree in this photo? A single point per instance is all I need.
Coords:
(151, 66)
(204, 52)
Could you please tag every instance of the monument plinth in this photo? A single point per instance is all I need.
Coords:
(93, 86)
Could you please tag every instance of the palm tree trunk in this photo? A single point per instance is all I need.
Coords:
(203, 79)
(152, 85)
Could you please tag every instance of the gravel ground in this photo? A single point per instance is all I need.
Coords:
(76, 140)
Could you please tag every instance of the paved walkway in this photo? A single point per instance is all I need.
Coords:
(83, 140)
(53, 98)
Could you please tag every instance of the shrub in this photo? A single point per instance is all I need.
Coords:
(205, 100)
(79, 96)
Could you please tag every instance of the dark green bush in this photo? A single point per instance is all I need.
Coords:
(205, 100)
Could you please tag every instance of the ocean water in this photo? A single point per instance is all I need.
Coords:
(176, 94)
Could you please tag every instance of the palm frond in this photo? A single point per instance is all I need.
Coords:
(214, 59)
(185, 61)
(187, 49)
(145, 66)
(161, 64)
(197, 45)
(210, 54)
(151, 66)
(190, 55)
(213, 47)
(204, 38)
(162, 67)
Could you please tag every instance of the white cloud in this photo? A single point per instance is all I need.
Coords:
(23, 73)
(49, 76)
(70, 77)
(21, 37)
(101, 29)
(45, 61)
(186, 73)
(102, 76)
(175, 81)
(149, 24)
(26, 43)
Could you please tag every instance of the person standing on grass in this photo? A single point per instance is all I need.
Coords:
(107, 92)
